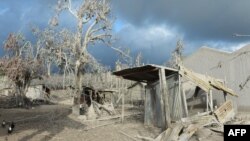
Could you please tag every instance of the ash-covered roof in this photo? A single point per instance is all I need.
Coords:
(150, 73)
(147, 73)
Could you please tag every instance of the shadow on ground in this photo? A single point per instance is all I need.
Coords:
(44, 121)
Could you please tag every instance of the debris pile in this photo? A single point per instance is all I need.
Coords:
(97, 110)
(200, 126)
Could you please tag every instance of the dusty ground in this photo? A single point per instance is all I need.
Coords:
(55, 123)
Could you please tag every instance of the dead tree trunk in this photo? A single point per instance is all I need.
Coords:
(21, 91)
(49, 68)
(78, 63)
(78, 81)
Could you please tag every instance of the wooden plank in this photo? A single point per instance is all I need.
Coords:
(225, 112)
(174, 135)
(162, 107)
(194, 78)
(144, 138)
(195, 101)
(132, 138)
(188, 133)
(148, 117)
(184, 100)
(203, 134)
(202, 119)
(112, 117)
(86, 129)
(179, 101)
(218, 85)
(123, 99)
(176, 110)
(164, 134)
(205, 83)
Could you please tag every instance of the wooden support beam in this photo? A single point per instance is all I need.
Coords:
(211, 100)
(122, 118)
(164, 93)
(174, 104)
(207, 100)
(162, 110)
(179, 98)
(225, 96)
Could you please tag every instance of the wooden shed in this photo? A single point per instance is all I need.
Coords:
(165, 99)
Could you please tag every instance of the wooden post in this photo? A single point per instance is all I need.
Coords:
(225, 96)
(164, 92)
(123, 107)
(211, 100)
(122, 117)
(207, 100)
(162, 97)
(179, 107)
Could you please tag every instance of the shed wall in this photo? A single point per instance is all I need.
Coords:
(234, 68)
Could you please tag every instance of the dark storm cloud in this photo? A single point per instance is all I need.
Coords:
(148, 26)
(155, 42)
(19, 15)
(197, 19)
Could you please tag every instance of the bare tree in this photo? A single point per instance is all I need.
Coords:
(93, 25)
(20, 64)
(45, 45)
(176, 56)
(138, 60)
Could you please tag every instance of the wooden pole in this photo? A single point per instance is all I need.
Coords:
(179, 107)
(211, 100)
(131, 100)
(163, 118)
(225, 96)
(164, 92)
(122, 105)
(174, 109)
(207, 100)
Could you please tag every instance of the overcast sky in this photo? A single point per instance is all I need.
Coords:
(148, 26)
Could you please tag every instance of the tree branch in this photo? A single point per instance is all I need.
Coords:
(100, 37)
(86, 37)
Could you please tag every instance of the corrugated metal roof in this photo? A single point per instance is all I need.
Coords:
(150, 73)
